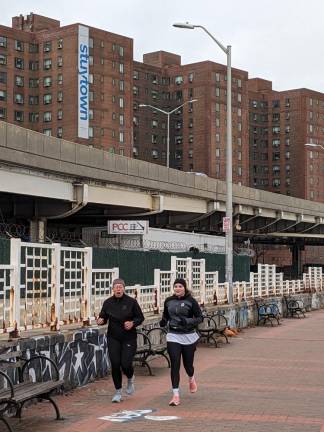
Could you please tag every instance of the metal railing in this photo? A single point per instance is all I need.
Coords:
(51, 285)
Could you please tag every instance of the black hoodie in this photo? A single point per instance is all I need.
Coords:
(182, 314)
(118, 310)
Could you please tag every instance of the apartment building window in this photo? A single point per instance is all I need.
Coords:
(276, 103)
(47, 132)
(47, 116)
(287, 116)
(239, 126)
(190, 125)
(276, 130)
(33, 48)
(3, 113)
(239, 171)
(239, 112)
(33, 100)
(59, 133)
(90, 132)
(34, 65)
(121, 119)
(3, 59)
(60, 43)
(155, 154)
(239, 82)
(60, 96)
(90, 114)
(287, 129)
(135, 75)
(121, 102)
(19, 63)
(217, 77)
(217, 91)
(102, 44)
(19, 116)
(239, 155)
(178, 124)
(19, 81)
(3, 42)
(287, 141)
(135, 91)
(122, 86)
(276, 142)
(19, 45)
(191, 138)
(217, 137)
(276, 156)
(33, 82)
(121, 137)
(217, 122)
(310, 101)
(60, 79)
(33, 117)
(276, 117)
(155, 124)
(135, 121)
(3, 77)
(154, 139)
(287, 155)
(155, 94)
(178, 79)
(218, 151)
(47, 81)
(47, 46)
(60, 114)
(90, 60)
(90, 80)
(3, 95)
(91, 96)
(121, 68)
(60, 61)
(19, 98)
(47, 99)
(276, 183)
(47, 64)
(276, 170)
(191, 77)
(239, 97)
(287, 102)
(254, 104)
(217, 107)
(239, 141)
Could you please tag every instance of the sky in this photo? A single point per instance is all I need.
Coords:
(278, 40)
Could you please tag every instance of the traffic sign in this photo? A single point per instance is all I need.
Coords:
(226, 224)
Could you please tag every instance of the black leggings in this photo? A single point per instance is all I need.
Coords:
(187, 352)
(121, 355)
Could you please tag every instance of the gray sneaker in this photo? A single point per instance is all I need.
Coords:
(117, 396)
(130, 386)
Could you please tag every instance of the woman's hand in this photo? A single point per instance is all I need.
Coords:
(100, 321)
(128, 325)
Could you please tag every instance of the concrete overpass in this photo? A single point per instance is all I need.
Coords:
(48, 179)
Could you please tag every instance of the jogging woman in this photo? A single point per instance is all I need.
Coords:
(124, 315)
(182, 314)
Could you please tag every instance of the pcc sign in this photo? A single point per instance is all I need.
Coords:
(128, 227)
(83, 82)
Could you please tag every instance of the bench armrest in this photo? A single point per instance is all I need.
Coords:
(9, 382)
(41, 356)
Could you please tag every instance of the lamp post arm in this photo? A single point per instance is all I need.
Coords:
(221, 46)
(155, 108)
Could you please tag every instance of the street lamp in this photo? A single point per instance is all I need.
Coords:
(229, 182)
(314, 145)
(168, 113)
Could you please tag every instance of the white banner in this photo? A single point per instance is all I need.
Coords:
(83, 82)
(128, 227)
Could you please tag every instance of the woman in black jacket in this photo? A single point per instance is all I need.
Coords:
(124, 315)
(182, 314)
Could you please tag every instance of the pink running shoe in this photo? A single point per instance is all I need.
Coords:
(175, 401)
(192, 385)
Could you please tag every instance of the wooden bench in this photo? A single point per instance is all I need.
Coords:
(157, 336)
(17, 388)
(267, 312)
(207, 330)
(294, 308)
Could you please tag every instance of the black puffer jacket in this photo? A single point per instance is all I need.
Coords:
(181, 314)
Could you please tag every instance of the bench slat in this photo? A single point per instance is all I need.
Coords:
(10, 355)
(25, 391)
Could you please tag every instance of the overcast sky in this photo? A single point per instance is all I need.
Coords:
(279, 40)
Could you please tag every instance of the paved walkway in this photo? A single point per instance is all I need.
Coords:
(267, 379)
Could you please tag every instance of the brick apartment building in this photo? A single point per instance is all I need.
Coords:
(40, 87)
(198, 129)
(281, 123)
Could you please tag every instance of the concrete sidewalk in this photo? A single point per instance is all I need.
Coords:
(267, 379)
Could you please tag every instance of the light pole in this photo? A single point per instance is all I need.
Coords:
(314, 145)
(229, 181)
(168, 113)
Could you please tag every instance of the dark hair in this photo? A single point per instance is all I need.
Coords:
(183, 283)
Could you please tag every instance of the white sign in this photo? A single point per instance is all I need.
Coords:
(226, 224)
(83, 82)
(128, 227)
